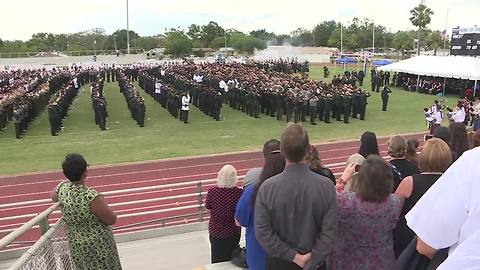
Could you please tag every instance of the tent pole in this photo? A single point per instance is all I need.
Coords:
(444, 85)
(418, 81)
(475, 89)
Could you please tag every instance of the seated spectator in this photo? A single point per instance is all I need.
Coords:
(315, 164)
(221, 201)
(356, 160)
(252, 175)
(274, 164)
(88, 218)
(449, 212)
(401, 167)
(412, 148)
(476, 139)
(444, 134)
(367, 219)
(434, 160)
(459, 141)
(368, 144)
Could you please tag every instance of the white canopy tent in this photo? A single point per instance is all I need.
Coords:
(458, 67)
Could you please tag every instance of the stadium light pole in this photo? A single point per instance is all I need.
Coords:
(128, 33)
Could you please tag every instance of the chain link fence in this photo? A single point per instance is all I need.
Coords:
(50, 252)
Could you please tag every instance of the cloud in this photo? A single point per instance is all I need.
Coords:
(149, 17)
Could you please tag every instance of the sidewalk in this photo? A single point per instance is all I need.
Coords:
(186, 251)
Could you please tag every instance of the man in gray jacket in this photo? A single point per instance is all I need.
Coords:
(296, 214)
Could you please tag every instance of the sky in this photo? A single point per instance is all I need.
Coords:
(22, 18)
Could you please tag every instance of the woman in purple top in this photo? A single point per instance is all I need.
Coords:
(367, 218)
(221, 201)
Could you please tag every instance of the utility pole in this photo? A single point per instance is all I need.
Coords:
(128, 33)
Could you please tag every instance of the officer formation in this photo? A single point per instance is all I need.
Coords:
(255, 88)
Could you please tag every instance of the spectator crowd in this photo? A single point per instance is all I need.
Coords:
(381, 213)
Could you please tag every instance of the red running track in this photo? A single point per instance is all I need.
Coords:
(141, 190)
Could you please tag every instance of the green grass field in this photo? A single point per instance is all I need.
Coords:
(164, 136)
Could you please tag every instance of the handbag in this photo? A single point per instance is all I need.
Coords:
(239, 257)
(410, 259)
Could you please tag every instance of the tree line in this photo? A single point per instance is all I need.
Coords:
(357, 34)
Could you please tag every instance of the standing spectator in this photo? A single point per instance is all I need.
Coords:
(401, 167)
(296, 215)
(274, 164)
(253, 174)
(221, 201)
(315, 164)
(445, 135)
(367, 219)
(476, 139)
(459, 142)
(355, 160)
(434, 161)
(368, 144)
(442, 223)
(412, 148)
(88, 218)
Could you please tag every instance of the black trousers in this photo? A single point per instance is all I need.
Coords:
(184, 116)
(384, 103)
(221, 248)
(272, 263)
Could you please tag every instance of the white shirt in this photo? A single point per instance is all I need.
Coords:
(75, 82)
(162, 72)
(222, 84)
(449, 212)
(185, 102)
(459, 116)
(465, 256)
(438, 116)
(158, 86)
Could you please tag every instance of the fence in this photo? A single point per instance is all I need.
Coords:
(52, 252)
(69, 53)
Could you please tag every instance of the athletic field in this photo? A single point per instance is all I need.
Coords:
(164, 136)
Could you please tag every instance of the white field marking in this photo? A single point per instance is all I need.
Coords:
(142, 188)
(23, 203)
(143, 181)
(174, 168)
(159, 207)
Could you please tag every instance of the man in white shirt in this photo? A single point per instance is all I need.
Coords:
(185, 107)
(449, 212)
(465, 256)
(458, 115)
(158, 90)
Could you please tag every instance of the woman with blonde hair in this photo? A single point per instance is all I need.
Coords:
(221, 201)
(401, 167)
(433, 162)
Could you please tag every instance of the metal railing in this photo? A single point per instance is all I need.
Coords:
(51, 251)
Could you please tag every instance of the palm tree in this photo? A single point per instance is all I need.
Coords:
(420, 18)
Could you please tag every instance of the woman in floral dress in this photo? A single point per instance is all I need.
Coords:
(87, 217)
(367, 218)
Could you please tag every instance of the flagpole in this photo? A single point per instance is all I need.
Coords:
(341, 44)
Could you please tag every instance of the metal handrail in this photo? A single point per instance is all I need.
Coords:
(41, 219)
(31, 251)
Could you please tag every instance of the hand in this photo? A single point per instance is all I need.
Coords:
(301, 260)
(348, 172)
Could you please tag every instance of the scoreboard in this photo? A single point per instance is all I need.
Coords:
(465, 41)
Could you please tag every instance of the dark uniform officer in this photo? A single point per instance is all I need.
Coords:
(385, 93)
